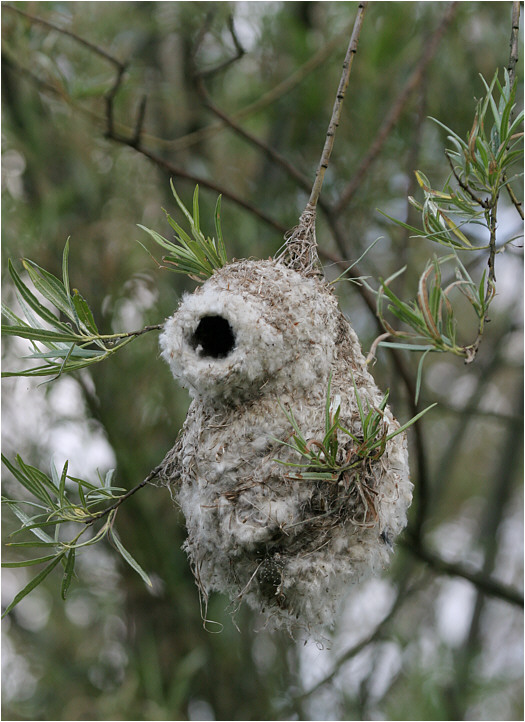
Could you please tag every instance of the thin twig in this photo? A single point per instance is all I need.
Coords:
(95, 517)
(517, 203)
(511, 67)
(338, 106)
(395, 111)
(479, 579)
(135, 141)
(491, 216)
(514, 41)
(239, 50)
(270, 152)
(175, 171)
(109, 97)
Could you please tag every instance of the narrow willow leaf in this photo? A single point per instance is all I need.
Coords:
(40, 334)
(411, 422)
(29, 481)
(129, 559)
(50, 287)
(169, 245)
(11, 317)
(70, 351)
(218, 229)
(62, 484)
(108, 478)
(84, 313)
(181, 204)
(196, 218)
(27, 521)
(34, 583)
(196, 256)
(28, 562)
(32, 300)
(68, 573)
(407, 346)
(315, 475)
(32, 544)
(420, 373)
(37, 475)
(65, 269)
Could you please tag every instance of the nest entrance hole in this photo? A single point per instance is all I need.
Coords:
(213, 337)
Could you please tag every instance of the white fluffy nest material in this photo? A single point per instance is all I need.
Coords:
(257, 337)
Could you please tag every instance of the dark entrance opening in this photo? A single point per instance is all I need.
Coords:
(214, 336)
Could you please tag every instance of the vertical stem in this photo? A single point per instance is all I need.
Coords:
(338, 105)
(514, 40)
(492, 224)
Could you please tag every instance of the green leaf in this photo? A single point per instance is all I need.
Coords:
(34, 583)
(62, 484)
(50, 287)
(27, 521)
(30, 480)
(129, 559)
(28, 562)
(40, 334)
(220, 241)
(411, 422)
(32, 301)
(68, 573)
(419, 374)
(84, 313)
(196, 256)
(65, 270)
(196, 220)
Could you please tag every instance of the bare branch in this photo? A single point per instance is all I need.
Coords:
(276, 157)
(515, 202)
(177, 172)
(514, 41)
(239, 50)
(483, 582)
(338, 106)
(101, 514)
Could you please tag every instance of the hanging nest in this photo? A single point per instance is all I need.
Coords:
(267, 355)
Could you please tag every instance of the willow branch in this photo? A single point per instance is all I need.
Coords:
(101, 514)
(338, 106)
(514, 41)
(270, 152)
(177, 172)
(479, 579)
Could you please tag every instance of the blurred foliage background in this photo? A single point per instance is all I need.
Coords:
(432, 639)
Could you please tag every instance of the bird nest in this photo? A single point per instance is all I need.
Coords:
(289, 469)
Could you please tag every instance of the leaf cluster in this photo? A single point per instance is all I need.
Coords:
(66, 345)
(431, 315)
(328, 458)
(197, 256)
(493, 145)
(56, 503)
(479, 166)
